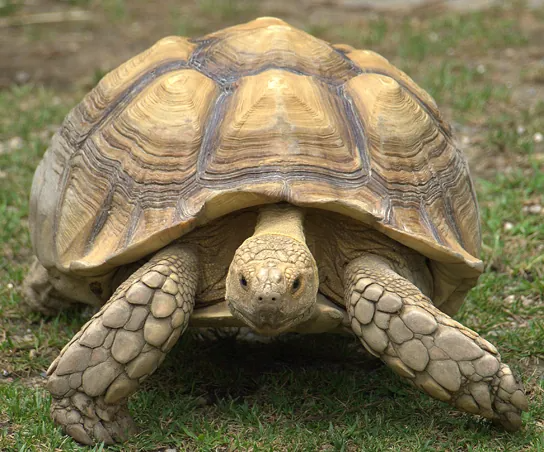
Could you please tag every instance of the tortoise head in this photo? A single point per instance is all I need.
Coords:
(272, 283)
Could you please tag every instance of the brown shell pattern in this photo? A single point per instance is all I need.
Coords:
(262, 112)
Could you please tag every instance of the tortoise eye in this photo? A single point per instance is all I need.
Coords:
(243, 281)
(296, 284)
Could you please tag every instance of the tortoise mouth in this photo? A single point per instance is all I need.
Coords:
(269, 328)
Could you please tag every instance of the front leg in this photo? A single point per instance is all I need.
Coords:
(448, 361)
(122, 345)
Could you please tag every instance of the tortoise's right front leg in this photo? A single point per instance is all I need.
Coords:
(122, 345)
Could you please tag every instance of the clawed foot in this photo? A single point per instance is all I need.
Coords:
(90, 420)
(502, 399)
(445, 359)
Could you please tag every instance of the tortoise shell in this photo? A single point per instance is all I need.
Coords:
(193, 129)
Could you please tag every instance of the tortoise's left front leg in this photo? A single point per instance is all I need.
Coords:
(122, 345)
(445, 359)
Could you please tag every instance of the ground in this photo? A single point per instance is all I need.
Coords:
(485, 68)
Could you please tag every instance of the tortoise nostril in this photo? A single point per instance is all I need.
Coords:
(268, 297)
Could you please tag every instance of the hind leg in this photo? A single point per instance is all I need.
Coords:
(50, 291)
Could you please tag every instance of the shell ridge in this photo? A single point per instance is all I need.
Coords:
(358, 132)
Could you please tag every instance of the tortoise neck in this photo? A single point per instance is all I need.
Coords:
(282, 219)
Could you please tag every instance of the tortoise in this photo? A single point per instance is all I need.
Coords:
(258, 177)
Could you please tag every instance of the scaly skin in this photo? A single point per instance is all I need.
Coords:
(272, 281)
(448, 361)
(122, 345)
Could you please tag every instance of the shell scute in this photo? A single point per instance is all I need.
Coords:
(189, 131)
(267, 44)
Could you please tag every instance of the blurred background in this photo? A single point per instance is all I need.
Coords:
(471, 55)
(483, 62)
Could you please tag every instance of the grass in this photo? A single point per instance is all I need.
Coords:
(313, 393)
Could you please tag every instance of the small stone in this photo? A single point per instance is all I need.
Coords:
(446, 373)
(534, 209)
(508, 226)
(467, 403)
(375, 338)
(178, 318)
(170, 287)
(153, 279)
(398, 366)
(139, 294)
(364, 311)
(418, 320)
(77, 432)
(431, 387)
(58, 386)
(97, 379)
(75, 380)
(122, 387)
(75, 359)
(390, 302)
(15, 143)
(137, 319)
(414, 354)
(456, 344)
(144, 365)
(538, 137)
(373, 292)
(398, 331)
(486, 366)
(362, 284)
(163, 304)
(127, 345)
(381, 319)
(117, 314)
(171, 341)
(94, 335)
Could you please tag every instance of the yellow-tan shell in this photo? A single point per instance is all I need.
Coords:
(190, 130)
